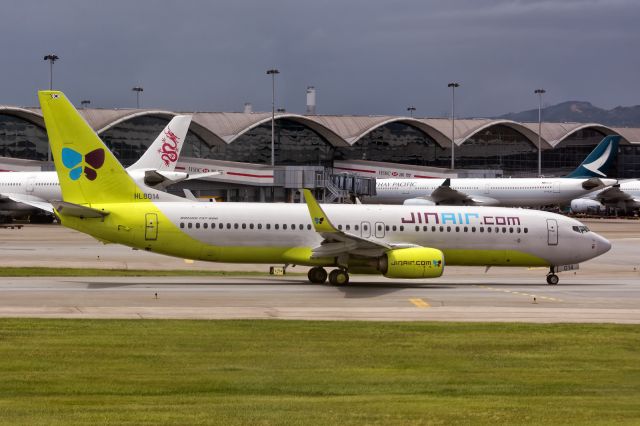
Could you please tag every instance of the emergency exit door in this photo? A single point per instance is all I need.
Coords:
(151, 227)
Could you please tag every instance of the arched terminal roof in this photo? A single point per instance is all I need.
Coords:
(467, 128)
(630, 134)
(338, 130)
(555, 133)
(31, 115)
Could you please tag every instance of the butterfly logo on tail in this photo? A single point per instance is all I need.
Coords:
(91, 162)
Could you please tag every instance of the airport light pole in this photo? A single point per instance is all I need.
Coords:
(539, 92)
(85, 102)
(453, 86)
(138, 90)
(411, 109)
(51, 58)
(272, 72)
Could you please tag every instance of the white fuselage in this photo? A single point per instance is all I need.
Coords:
(517, 192)
(37, 186)
(234, 232)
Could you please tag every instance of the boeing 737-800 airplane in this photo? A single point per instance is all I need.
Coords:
(24, 192)
(514, 192)
(396, 241)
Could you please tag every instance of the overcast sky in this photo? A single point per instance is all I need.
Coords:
(363, 57)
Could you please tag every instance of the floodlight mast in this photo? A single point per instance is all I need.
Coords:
(453, 86)
(272, 72)
(539, 92)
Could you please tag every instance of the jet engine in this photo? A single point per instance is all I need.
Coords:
(415, 262)
(586, 205)
(418, 202)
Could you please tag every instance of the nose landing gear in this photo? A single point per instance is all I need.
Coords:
(552, 278)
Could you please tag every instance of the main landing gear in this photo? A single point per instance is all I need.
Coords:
(318, 275)
(552, 278)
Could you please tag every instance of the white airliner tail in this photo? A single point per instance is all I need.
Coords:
(164, 152)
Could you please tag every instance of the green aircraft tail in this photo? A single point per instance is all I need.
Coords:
(88, 172)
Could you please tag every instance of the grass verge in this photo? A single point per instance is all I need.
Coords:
(293, 372)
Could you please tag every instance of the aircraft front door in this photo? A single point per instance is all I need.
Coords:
(379, 230)
(365, 229)
(151, 227)
(556, 187)
(552, 232)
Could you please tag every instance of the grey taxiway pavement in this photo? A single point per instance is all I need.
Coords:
(606, 289)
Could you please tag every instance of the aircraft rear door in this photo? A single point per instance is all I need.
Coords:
(552, 232)
(151, 227)
(556, 187)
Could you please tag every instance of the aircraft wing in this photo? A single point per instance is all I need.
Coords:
(161, 179)
(613, 194)
(446, 195)
(336, 242)
(30, 200)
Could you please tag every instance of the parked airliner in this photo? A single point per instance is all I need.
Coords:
(516, 192)
(396, 241)
(624, 195)
(23, 192)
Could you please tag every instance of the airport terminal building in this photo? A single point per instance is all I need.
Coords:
(335, 153)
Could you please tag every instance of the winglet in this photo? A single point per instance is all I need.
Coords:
(320, 221)
(447, 182)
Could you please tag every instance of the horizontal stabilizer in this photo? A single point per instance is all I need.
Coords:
(69, 209)
(30, 201)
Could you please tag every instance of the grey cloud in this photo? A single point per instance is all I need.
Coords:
(364, 57)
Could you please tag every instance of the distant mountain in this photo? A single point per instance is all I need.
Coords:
(581, 112)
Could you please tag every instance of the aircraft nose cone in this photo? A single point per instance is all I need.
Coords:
(602, 244)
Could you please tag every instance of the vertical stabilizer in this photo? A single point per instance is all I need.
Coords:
(88, 172)
(599, 161)
(164, 152)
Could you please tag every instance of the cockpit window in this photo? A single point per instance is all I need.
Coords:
(580, 229)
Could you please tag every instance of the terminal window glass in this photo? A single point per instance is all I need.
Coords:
(131, 138)
(395, 143)
(294, 143)
(22, 139)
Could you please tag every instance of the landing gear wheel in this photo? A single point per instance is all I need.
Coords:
(339, 277)
(317, 275)
(552, 279)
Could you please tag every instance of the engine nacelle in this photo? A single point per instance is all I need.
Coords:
(418, 202)
(418, 262)
(586, 205)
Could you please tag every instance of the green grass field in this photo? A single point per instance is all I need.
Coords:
(144, 372)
